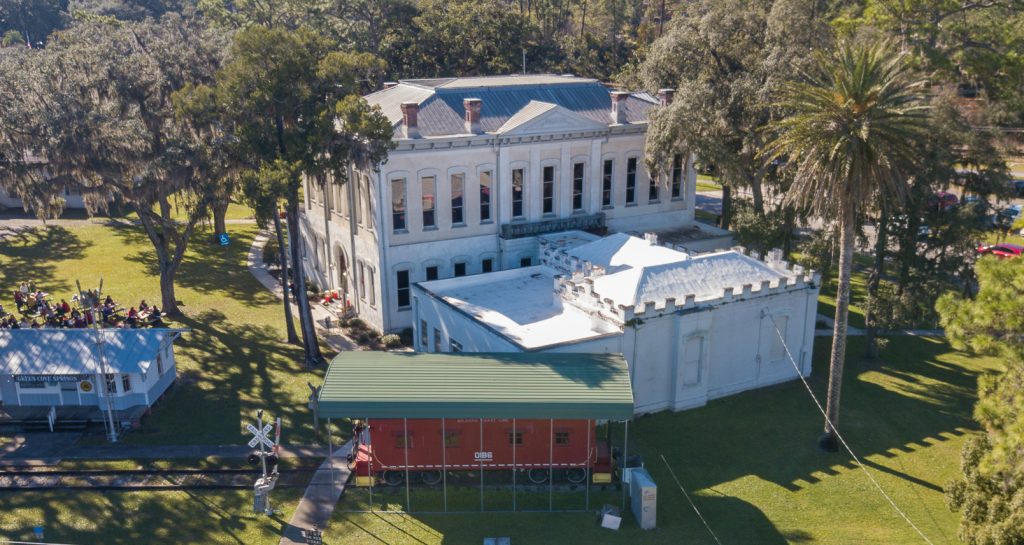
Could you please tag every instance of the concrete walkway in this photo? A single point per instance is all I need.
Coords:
(334, 336)
(322, 494)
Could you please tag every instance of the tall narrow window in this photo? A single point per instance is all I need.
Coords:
(398, 204)
(362, 281)
(487, 265)
(677, 176)
(372, 286)
(458, 183)
(606, 183)
(437, 340)
(423, 335)
(454, 346)
(460, 269)
(367, 201)
(631, 181)
(428, 183)
(577, 187)
(432, 272)
(126, 383)
(548, 188)
(652, 191)
(402, 288)
(110, 384)
(485, 196)
(517, 193)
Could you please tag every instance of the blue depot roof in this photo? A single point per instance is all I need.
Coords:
(75, 351)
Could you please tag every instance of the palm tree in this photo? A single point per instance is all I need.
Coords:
(850, 134)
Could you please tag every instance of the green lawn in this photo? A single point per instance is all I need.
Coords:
(751, 465)
(130, 518)
(749, 459)
(231, 364)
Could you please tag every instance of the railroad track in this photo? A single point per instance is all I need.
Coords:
(145, 479)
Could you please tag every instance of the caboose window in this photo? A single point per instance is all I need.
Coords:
(561, 438)
(515, 438)
(451, 439)
(400, 440)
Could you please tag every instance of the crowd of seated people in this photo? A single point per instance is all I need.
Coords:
(34, 309)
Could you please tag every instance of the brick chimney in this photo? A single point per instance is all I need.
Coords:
(618, 106)
(665, 96)
(390, 84)
(473, 107)
(410, 111)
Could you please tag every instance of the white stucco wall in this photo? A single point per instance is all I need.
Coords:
(677, 360)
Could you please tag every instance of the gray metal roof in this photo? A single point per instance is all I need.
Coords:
(443, 114)
(478, 385)
(74, 351)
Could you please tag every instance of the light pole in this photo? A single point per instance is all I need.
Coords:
(111, 428)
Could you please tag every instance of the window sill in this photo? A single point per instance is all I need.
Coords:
(458, 225)
(549, 215)
(404, 309)
(655, 201)
(678, 199)
(608, 207)
(486, 222)
(432, 228)
(400, 232)
(631, 205)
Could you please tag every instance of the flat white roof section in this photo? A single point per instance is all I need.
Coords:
(521, 305)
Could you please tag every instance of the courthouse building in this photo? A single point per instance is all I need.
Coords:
(483, 167)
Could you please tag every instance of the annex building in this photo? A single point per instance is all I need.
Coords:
(483, 168)
(691, 327)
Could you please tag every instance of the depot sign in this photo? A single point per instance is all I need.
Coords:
(50, 378)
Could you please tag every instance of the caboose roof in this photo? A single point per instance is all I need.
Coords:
(477, 385)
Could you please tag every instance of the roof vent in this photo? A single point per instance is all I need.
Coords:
(651, 238)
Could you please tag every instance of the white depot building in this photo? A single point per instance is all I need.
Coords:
(692, 327)
(482, 167)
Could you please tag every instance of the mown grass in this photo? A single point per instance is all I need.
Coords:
(231, 363)
(130, 518)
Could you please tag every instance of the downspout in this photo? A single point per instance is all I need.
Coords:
(496, 201)
(353, 261)
(384, 274)
(327, 235)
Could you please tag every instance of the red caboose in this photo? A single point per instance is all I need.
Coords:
(566, 449)
(425, 415)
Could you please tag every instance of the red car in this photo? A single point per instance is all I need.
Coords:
(1002, 251)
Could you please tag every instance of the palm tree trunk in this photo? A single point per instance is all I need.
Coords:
(835, 376)
(282, 253)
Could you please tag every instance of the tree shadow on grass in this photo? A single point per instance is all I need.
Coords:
(208, 267)
(912, 401)
(30, 253)
(227, 371)
(133, 517)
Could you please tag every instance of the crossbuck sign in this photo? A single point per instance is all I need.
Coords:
(260, 436)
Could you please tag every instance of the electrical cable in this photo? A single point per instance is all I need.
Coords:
(840, 437)
(695, 510)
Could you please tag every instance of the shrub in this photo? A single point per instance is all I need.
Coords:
(271, 257)
(391, 340)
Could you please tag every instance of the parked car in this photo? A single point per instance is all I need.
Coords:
(1005, 218)
(1002, 251)
(943, 200)
(1018, 187)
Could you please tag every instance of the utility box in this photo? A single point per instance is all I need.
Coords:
(643, 495)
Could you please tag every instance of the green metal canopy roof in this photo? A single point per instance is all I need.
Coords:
(477, 385)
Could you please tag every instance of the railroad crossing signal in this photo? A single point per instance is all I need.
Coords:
(260, 436)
